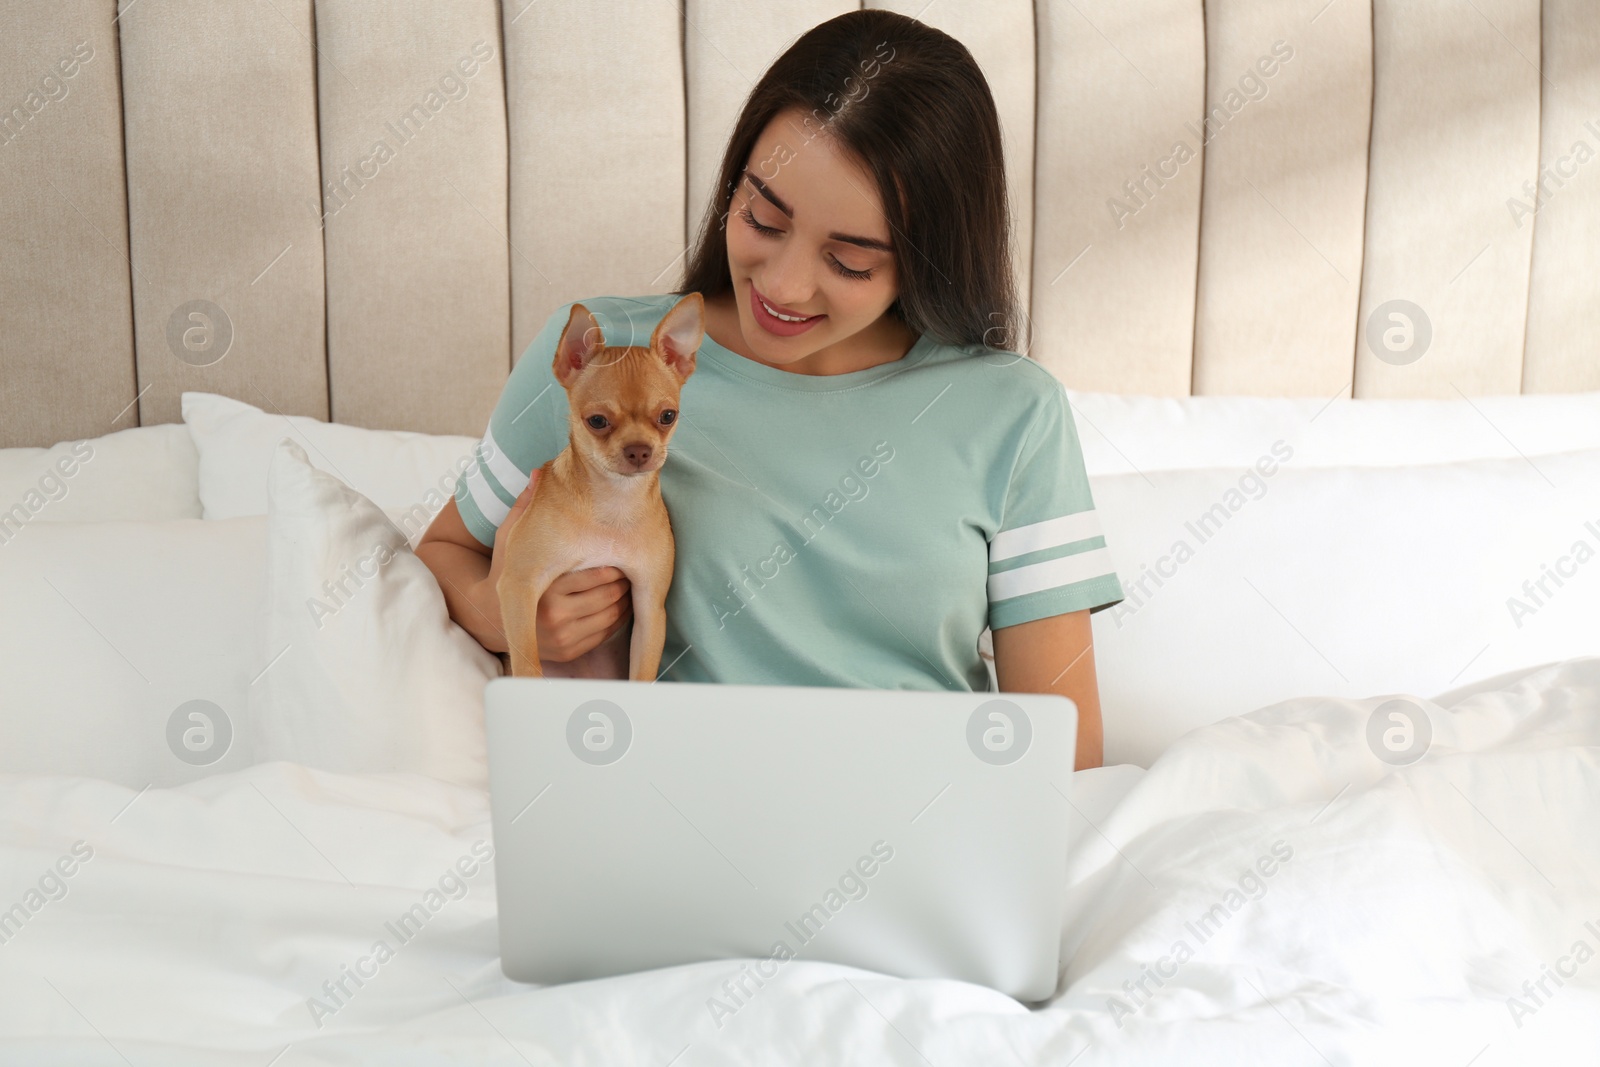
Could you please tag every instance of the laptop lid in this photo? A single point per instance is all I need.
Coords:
(919, 834)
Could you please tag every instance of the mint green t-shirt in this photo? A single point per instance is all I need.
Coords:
(854, 529)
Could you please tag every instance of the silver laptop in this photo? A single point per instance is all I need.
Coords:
(918, 834)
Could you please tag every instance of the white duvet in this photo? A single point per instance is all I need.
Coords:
(1268, 892)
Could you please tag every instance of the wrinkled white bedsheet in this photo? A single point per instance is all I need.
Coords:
(1404, 909)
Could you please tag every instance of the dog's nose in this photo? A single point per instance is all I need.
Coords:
(638, 454)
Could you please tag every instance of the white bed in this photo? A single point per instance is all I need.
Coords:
(1287, 882)
(1412, 905)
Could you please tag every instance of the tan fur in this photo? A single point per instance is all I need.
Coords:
(599, 502)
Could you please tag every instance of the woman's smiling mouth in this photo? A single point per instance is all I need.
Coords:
(780, 321)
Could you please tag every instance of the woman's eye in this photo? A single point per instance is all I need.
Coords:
(749, 216)
(668, 416)
(597, 422)
(848, 273)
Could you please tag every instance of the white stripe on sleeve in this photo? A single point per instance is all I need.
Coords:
(494, 509)
(1051, 533)
(505, 472)
(1050, 574)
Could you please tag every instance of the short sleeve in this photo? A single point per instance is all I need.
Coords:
(527, 429)
(1048, 556)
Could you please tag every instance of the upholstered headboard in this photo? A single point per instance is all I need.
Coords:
(364, 209)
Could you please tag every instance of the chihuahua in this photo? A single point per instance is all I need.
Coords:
(599, 502)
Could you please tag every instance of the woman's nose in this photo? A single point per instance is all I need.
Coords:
(788, 281)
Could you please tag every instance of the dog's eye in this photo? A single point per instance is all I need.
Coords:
(668, 416)
(596, 422)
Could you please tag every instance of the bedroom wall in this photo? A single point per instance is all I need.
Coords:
(1212, 198)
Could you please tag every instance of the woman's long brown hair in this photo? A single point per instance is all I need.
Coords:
(910, 104)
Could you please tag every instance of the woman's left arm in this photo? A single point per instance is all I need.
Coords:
(1055, 655)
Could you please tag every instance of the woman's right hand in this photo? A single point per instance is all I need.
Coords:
(580, 609)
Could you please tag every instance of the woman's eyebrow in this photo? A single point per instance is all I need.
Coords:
(777, 202)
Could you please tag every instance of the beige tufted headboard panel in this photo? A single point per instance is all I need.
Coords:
(375, 204)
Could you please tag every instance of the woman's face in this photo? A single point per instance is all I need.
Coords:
(807, 237)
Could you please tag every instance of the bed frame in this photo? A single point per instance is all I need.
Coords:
(1210, 198)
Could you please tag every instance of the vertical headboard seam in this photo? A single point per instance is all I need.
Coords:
(1533, 238)
(505, 90)
(1200, 198)
(688, 190)
(322, 212)
(127, 222)
(1366, 196)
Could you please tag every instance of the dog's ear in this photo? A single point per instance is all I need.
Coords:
(580, 342)
(678, 335)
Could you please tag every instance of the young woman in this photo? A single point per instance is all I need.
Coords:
(867, 473)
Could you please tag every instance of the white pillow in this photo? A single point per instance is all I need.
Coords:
(1348, 581)
(368, 671)
(109, 629)
(1123, 434)
(409, 475)
(147, 473)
